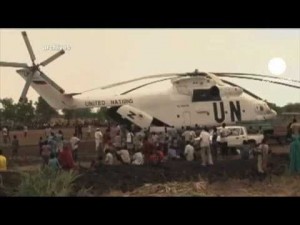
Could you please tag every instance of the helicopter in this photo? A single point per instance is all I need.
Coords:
(196, 98)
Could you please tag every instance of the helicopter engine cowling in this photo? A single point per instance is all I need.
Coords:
(225, 91)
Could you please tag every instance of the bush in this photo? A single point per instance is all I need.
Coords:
(47, 182)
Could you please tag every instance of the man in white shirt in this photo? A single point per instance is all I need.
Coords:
(98, 140)
(187, 136)
(204, 139)
(5, 135)
(129, 140)
(109, 159)
(124, 156)
(138, 158)
(89, 131)
(224, 132)
(25, 131)
(74, 144)
(189, 152)
(118, 140)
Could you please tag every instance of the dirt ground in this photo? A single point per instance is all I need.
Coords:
(232, 177)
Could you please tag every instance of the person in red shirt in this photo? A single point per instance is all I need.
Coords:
(157, 156)
(147, 149)
(65, 157)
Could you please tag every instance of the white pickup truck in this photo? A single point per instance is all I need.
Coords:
(238, 136)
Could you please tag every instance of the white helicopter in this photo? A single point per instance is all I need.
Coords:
(196, 98)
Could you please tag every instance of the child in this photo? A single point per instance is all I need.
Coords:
(53, 162)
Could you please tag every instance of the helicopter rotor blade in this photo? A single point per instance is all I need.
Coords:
(256, 75)
(143, 85)
(28, 45)
(170, 75)
(13, 64)
(26, 87)
(52, 58)
(244, 90)
(137, 79)
(264, 80)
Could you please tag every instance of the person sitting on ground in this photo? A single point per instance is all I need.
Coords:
(157, 156)
(123, 156)
(138, 158)
(3, 162)
(189, 152)
(109, 159)
(53, 162)
(65, 157)
(172, 153)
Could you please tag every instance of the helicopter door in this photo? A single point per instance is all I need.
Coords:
(186, 118)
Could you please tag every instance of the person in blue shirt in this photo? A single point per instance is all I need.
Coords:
(53, 162)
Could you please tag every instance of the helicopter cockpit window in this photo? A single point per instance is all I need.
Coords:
(202, 95)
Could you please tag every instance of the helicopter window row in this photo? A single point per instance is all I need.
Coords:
(203, 95)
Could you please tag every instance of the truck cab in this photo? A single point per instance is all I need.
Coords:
(239, 136)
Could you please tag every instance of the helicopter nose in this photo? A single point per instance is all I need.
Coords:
(273, 113)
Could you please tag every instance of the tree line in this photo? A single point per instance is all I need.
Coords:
(40, 112)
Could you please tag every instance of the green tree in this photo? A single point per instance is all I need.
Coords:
(101, 114)
(273, 106)
(25, 112)
(291, 107)
(44, 112)
(9, 109)
(78, 113)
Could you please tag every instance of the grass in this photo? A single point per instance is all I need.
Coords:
(47, 182)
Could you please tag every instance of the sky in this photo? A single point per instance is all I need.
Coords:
(97, 57)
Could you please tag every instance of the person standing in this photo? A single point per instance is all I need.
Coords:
(75, 145)
(214, 143)
(98, 140)
(65, 157)
(89, 131)
(129, 140)
(15, 146)
(262, 156)
(59, 140)
(295, 153)
(3, 162)
(41, 143)
(224, 132)
(205, 147)
(5, 135)
(25, 131)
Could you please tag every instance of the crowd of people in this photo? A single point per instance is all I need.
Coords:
(127, 145)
